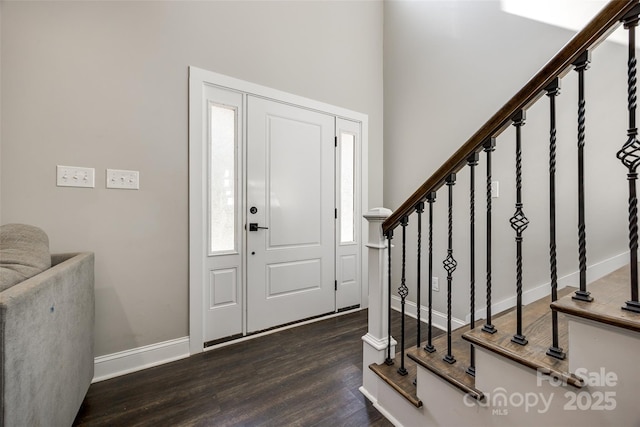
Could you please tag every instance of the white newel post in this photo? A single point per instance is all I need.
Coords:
(374, 347)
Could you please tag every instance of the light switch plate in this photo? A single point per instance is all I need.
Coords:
(495, 189)
(123, 179)
(74, 176)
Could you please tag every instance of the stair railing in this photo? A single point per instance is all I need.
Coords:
(574, 55)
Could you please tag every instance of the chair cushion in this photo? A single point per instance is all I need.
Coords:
(24, 252)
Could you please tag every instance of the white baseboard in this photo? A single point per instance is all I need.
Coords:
(439, 319)
(594, 272)
(137, 359)
(598, 270)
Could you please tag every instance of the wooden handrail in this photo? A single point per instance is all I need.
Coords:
(605, 22)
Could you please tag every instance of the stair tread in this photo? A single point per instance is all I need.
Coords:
(454, 373)
(609, 295)
(536, 321)
(403, 384)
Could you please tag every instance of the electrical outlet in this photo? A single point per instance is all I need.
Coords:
(74, 176)
(435, 286)
(125, 180)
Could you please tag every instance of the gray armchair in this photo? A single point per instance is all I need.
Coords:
(46, 341)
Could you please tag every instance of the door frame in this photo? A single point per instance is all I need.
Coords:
(198, 79)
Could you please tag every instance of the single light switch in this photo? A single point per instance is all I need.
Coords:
(495, 189)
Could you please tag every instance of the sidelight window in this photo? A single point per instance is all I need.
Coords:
(347, 187)
(222, 178)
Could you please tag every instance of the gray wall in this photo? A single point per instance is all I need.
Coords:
(104, 85)
(448, 67)
(1, 9)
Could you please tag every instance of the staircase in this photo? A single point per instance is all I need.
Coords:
(561, 355)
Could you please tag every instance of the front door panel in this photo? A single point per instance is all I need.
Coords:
(290, 187)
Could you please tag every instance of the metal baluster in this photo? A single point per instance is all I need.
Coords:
(389, 360)
(489, 147)
(630, 157)
(519, 223)
(450, 266)
(472, 161)
(431, 198)
(581, 65)
(403, 291)
(419, 210)
(552, 91)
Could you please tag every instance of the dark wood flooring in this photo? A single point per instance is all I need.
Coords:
(304, 376)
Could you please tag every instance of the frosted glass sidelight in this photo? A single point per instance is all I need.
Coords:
(222, 178)
(347, 188)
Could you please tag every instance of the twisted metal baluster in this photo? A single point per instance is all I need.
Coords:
(419, 210)
(519, 223)
(450, 266)
(403, 291)
(489, 147)
(581, 65)
(552, 91)
(389, 360)
(472, 161)
(630, 157)
(431, 198)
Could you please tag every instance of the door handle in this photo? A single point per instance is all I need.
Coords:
(253, 226)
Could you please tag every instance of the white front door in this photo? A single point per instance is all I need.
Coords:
(264, 157)
(290, 202)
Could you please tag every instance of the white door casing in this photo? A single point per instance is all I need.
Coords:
(220, 303)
